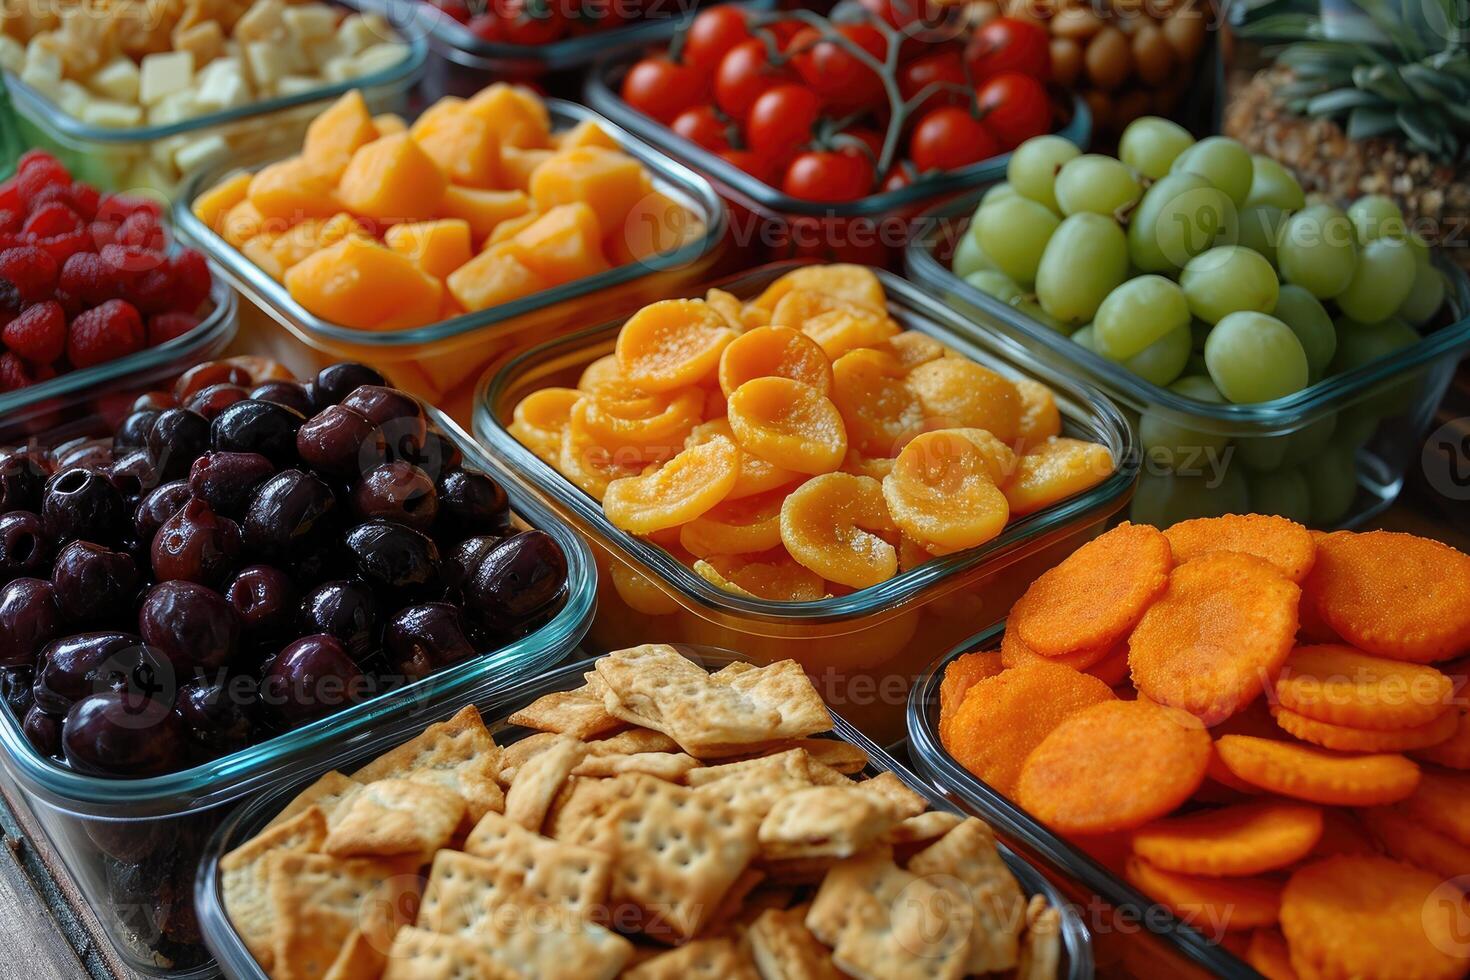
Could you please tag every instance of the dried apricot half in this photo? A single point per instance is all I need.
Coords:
(1285, 544)
(789, 424)
(539, 419)
(756, 475)
(679, 491)
(603, 373)
(1040, 417)
(831, 525)
(1211, 905)
(1055, 470)
(852, 283)
(736, 527)
(672, 343)
(655, 424)
(1246, 839)
(776, 580)
(880, 411)
(590, 466)
(912, 348)
(957, 393)
(1305, 772)
(774, 351)
(941, 493)
(1343, 686)
(843, 328)
(640, 593)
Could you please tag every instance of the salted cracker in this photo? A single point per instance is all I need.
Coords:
(564, 875)
(1041, 946)
(245, 879)
(458, 755)
(394, 817)
(575, 713)
(784, 948)
(537, 782)
(966, 862)
(703, 959)
(824, 822)
(326, 794)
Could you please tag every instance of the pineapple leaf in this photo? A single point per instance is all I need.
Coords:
(1364, 123)
(1389, 19)
(1433, 86)
(1343, 99)
(1382, 80)
(1460, 111)
(1419, 126)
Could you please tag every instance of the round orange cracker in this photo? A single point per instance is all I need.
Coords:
(1285, 544)
(1092, 599)
(1268, 955)
(1246, 839)
(1004, 717)
(1370, 918)
(1211, 905)
(1219, 632)
(959, 676)
(1343, 833)
(1396, 595)
(1404, 838)
(1014, 652)
(1348, 739)
(1442, 803)
(1114, 766)
(1305, 772)
(1112, 670)
(1343, 686)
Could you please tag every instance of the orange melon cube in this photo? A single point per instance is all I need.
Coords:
(295, 243)
(394, 180)
(338, 227)
(610, 181)
(241, 223)
(359, 283)
(492, 278)
(511, 227)
(389, 123)
(292, 189)
(460, 142)
(336, 134)
(516, 115)
(483, 210)
(517, 166)
(656, 225)
(563, 244)
(437, 247)
(211, 206)
(261, 249)
(586, 133)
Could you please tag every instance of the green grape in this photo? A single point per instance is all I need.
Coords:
(995, 283)
(1253, 357)
(1228, 279)
(1261, 453)
(1383, 279)
(1312, 438)
(1086, 258)
(1356, 424)
(1083, 337)
(1332, 483)
(1150, 144)
(1033, 309)
(1096, 183)
(997, 192)
(969, 256)
(1376, 216)
(1179, 217)
(1260, 225)
(1014, 232)
(1317, 250)
(1308, 319)
(1136, 314)
(1273, 184)
(1166, 438)
(1360, 344)
(1033, 168)
(1283, 493)
(1425, 297)
(1165, 499)
(1163, 360)
(1220, 160)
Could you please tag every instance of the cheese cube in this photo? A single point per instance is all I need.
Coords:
(112, 115)
(204, 40)
(173, 108)
(146, 174)
(310, 21)
(267, 63)
(42, 68)
(201, 152)
(118, 80)
(380, 57)
(164, 74)
(262, 22)
(222, 85)
(297, 84)
(12, 54)
(358, 33)
(340, 69)
(72, 98)
(162, 151)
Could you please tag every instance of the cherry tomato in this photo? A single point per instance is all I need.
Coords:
(939, 68)
(754, 164)
(781, 119)
(703, 126)
(834, 73)
(1015, 108)
(784, 32)
(743, 76)
(870, 138)
(485, 26)
(829, 176)
(948, 138)
(458, 9)
(711, 35)
(1009, 44)
(900, 175)
(662, 88)
(529, 22)
(909, 16)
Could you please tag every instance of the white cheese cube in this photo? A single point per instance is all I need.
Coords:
(297, 84)
(358, 33)
(164, 74)
(222, 86)
(262, 22)
(340, 69)
(162, 151)
(72, 98)
(42, 68)
(267, 63)
(12, 54)
(200, 152)
(146, 174)
(309, 21)
(112, 115)
(118, 80)
(380, 57)
(173, 108)
(318, 51)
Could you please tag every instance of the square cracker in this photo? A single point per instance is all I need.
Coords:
(576, 713)
(245, 881)
(326, 794)
(458, 755)
(703, 959)
(538, 781)
(670, 766)
(905, 802)
(754, 786)
(418, 954)
(845, 757)
(925, 935)
(784, 688)
(518, 753)
(1041, 947)
(923, 828)
(966, 862)
(872, 872)
(783, 947)
(631, 742)
(824, 822)
(394, 817)
(583, 801)
(567, 876)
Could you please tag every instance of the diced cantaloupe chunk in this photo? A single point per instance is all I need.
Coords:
(586, 133)
(292, 189)
(241, 223)
(610, 181)
(437, 247)
(261, 249)
(460, 142)
(517, 166)
(312, 235)
(510, 227)
(211, 206)
(492, 278)
(394, 180)
(657, 224)
(337, 133)
(517, 115)
(359, 283)
(563, 244)
(389, 123)
(483, 210)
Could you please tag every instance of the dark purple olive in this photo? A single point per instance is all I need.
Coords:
(522, 575)
(43, 731)
(336, 381)
(462, 559)
(423, 639)
(24, 547)
(94, 586)
(85, 452)
(252, 426)
(121, 734)
(227, 481)
(288, 393)
(133, 431)
(193, 626)
(22, 478)
(196, 545)
(158, 506)
(395, 560)
(284, 511)
(439, 456)
(310, 679)
(155, 401)
(341, 442)
(398, 414)
(210, 401)
(134, 473)
(16, 684)
(82, 504)
(342, 609)
(399, 492)
(264, 599)
(177, 438)
(28, 621)
(75, 666)
(215, 717)
(470, 504)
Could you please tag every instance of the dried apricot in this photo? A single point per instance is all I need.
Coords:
(756, 475)
(774, 351)
(1343, 686)
(1073, 781)
(679, 491)
(940, 492)
(1348, 739)
(1055, 470)
(1003, 718)
(1212, 905)
(957, 393)
(1094, 596)
(912, 348)
(879, 410)
(590, 466)
(728, 305)
(1305, 772)
(1285, 544)
(1406, 840)
(1014, 652)
(1374, 918)
(1000, 460)
(1222, 628)
(846, 328)
(789, 424)
(959, 676)
(859, 465)
(853, 283)
(540, 418)
(736, 527)
(672, 343)
(640, 593)
(831, 525)
(655, 424)
(1040, 417)
(1235, 840)
(1268, 954)
(603, 373)
(1396, 595)
(777, 580)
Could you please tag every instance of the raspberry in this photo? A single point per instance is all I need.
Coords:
(13, 373)
(142, 230)
(9, 298)
(52, 218)
(153, 291)
(37, 172)
(32, 271)
(130, 261)
(90, 279)
(103, 233)
(166, 326)
(191, 280)
(105, 333)
(39, 334)
(64, 246)
(9, 221)
(10, 195)
(116, 207)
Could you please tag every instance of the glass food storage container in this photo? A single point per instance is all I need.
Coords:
(440, 362)
(1133, 935)
(227, 945)
(1331, 455)
(141, 158)
(133, 845)
(860, 647)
